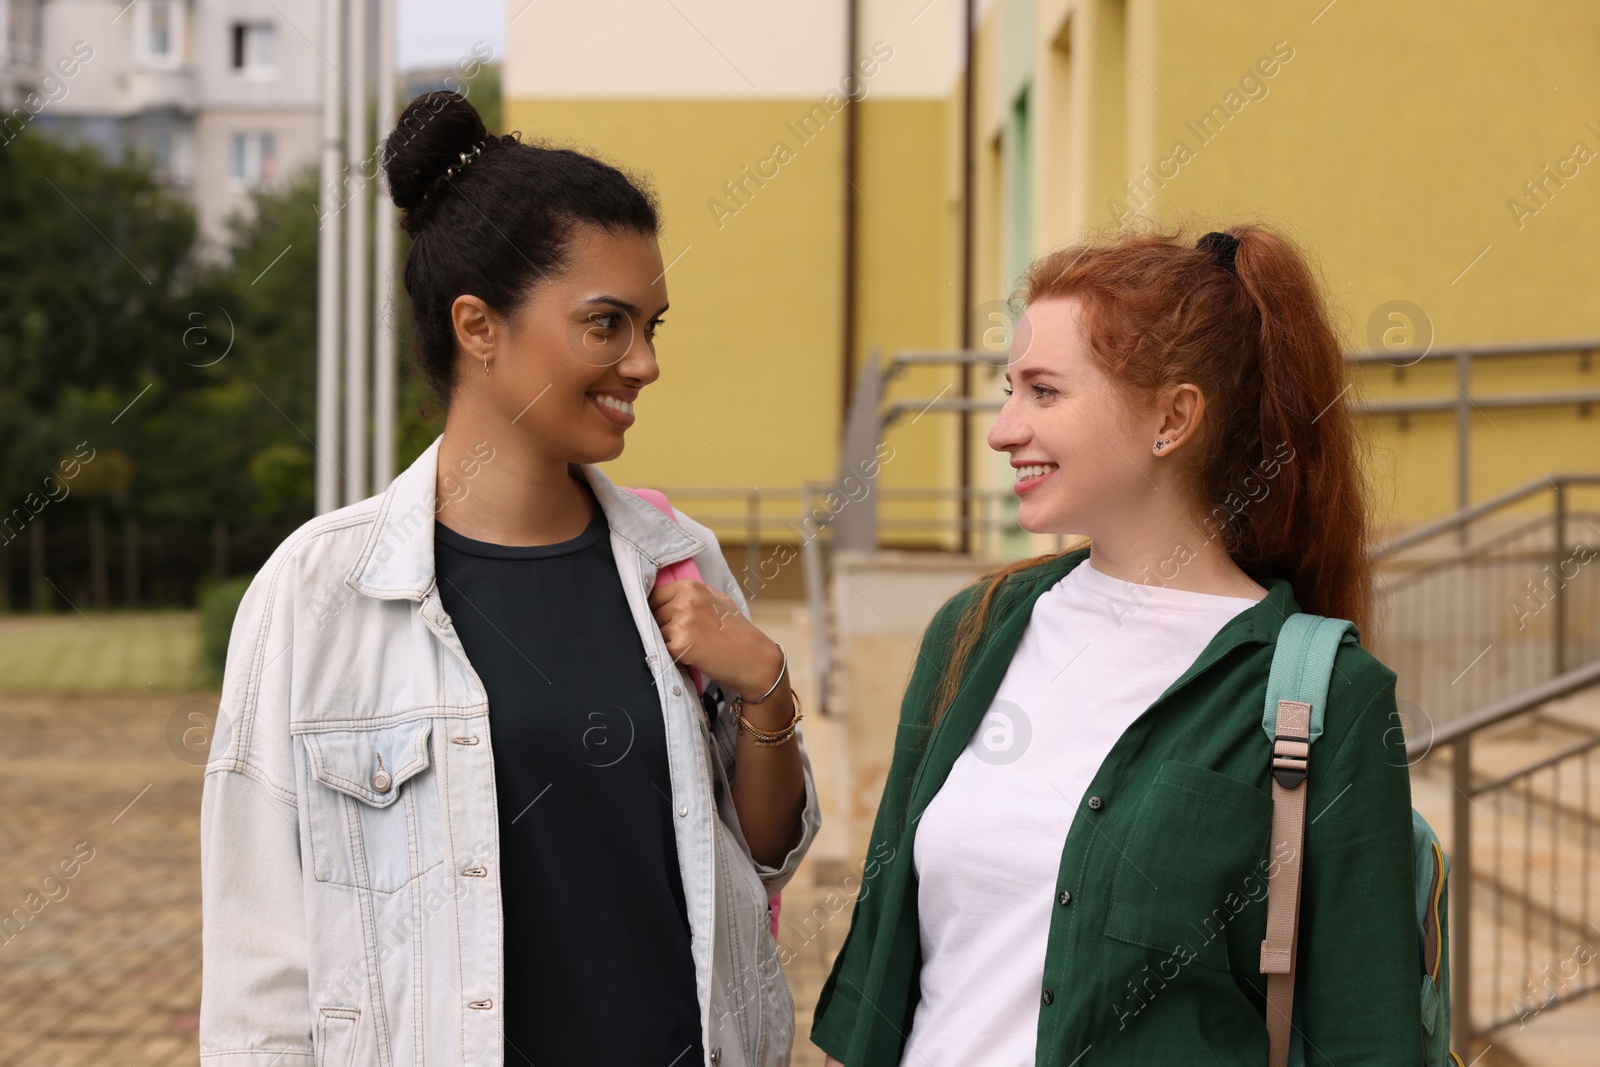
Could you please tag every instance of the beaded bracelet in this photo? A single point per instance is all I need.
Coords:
(763, 738)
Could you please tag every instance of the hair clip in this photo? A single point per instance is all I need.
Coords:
(1223, 248)
(454, 168)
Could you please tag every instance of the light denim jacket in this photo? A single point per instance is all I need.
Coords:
(353, 918)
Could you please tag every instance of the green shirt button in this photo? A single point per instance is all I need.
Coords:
(1065, 898)
(1048, 996)
(1095, 803)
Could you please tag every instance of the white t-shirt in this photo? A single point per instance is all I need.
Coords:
(1097, 651)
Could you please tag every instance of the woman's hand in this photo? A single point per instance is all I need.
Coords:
(705, 629)
(831, 1062)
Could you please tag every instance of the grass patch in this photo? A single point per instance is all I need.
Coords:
(101, 651)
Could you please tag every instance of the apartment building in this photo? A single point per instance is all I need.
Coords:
(220, 96)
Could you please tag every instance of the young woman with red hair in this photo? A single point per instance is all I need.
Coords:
(1079, 803)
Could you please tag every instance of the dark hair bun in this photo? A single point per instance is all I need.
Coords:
(430, 137)
(495, 223)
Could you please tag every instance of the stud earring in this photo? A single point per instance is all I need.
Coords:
(486, 363)
(1161, 444)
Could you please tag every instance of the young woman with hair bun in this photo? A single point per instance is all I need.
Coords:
(1081, 787)
(488, 785)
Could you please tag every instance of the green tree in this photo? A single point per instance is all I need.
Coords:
(98, 259)
(192, 382)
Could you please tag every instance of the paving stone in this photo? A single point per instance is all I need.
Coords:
(91, 977)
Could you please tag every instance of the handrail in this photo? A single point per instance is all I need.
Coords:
(1458, 519)
(1462, 402)
(1466, 1030)
(952, 357)
(1421, 405)
(1504, 348)
(1576, 749)
(1554, 689)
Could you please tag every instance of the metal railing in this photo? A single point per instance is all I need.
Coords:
(1488, 616)
(801, 516)
(1464, 402)
(1542, 806)
(871, 413)
(1494, 599)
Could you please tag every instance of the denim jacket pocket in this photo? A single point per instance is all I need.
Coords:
(373, 805)
(336, 1036)
(1189, 864)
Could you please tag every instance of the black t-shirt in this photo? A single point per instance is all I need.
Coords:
(597, 960)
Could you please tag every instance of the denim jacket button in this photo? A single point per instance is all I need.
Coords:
(683, 810)
(716, 1056)
(381, 781)
(677, 690)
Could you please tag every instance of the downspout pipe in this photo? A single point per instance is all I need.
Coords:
(851, 164)
(968, 96)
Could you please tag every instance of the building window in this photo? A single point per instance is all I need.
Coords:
(254, 46)
(253, 158)
(1017, 180)
(159, 30)
(23, 29)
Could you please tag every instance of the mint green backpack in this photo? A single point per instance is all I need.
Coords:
(1297, 694)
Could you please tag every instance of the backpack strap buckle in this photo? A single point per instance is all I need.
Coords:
(1291, 745)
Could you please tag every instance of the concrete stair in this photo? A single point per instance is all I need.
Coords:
(1536, 896)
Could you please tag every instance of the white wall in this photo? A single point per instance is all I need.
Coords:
(702, 48)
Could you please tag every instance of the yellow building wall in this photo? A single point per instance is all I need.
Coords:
(1393, 142)
(908, 290)
(751, 387)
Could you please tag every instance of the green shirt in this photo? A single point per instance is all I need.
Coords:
(1153, 953)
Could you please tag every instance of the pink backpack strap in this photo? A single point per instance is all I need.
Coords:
(686, 570)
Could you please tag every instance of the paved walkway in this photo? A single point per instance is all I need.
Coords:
(100, 894)
(106, 969)
(99, 850)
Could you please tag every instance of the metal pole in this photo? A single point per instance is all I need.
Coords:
(328, 266)
(357, 355)
(847, 271)
(1461, 897)
(385, 370)
(812, 565)
(856, 526)
(1559, 593)
(752, 533)
(968, 167)
(1463, 434)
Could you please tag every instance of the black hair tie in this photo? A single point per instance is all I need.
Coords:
(1223, 248)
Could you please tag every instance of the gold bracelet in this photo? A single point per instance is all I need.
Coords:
(763, 738)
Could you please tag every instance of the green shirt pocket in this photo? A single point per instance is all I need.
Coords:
(1194, 860)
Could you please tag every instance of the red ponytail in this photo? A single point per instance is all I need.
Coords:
(1278, 457)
